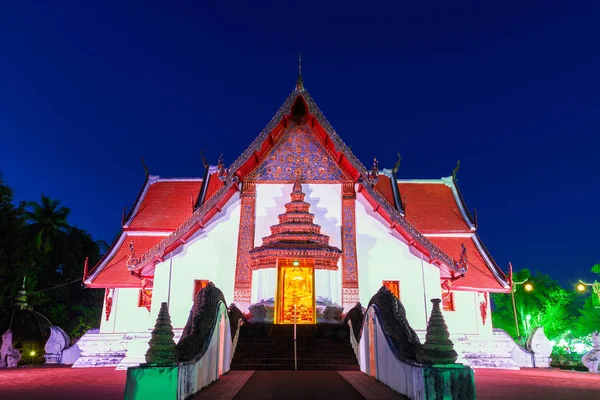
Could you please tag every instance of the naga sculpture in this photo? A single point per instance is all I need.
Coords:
(235, 315)
(203, 317)
(9, 356)
(395, 324)
(57, 342)
(540, 346)
(592, 359)
(356, 316)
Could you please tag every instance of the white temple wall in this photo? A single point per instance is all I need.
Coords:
(326, 204)
(383, 255)
(160, 292)
(125, 315)
(264, 290)
(467, 317)
(209, 255)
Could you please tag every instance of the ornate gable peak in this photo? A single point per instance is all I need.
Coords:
(284, 114)
(298, 154)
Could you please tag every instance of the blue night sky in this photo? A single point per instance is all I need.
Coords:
(87, 89)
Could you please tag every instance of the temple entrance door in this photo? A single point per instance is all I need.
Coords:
(295, 285)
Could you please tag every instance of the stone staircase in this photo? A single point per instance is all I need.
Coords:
(324, 347)
(120, 350)
(498, 350)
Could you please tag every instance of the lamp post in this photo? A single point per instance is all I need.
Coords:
(513, 288)
(581, 287)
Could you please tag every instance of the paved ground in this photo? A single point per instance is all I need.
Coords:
(536, 384)
(61, 383)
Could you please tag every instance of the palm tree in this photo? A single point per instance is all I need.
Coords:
(46, 219)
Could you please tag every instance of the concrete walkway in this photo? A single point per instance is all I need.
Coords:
(64, 383)
(289, 385)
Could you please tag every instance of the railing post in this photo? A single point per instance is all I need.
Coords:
(295, 355)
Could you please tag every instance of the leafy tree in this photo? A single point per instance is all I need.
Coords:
(547, 305)
(35, 239)
(15, 254)
(589, 318)
(46, 220)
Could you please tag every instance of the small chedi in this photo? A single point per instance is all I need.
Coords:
(162, 347)
(592, 359)
(438, 348)
(9, 356)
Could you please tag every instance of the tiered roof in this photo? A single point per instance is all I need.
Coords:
(296, 236)
(162, 206)
(416, 209)
(437, 209)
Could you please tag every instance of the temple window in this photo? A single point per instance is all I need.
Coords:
(448, 301)
(145, 298)
(394, 287)
(199, 284)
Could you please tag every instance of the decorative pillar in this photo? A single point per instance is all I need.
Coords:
(242, 289)
(349, 263)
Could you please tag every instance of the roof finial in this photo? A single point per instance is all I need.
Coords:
(146, 170)
(300, 82)
(455, 172)
(21, 297)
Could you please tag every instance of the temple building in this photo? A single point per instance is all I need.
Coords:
(297, 224)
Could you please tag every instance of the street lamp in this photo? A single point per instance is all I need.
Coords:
(513, 288)
(582, 286)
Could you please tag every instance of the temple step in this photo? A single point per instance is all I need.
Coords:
(324, 347)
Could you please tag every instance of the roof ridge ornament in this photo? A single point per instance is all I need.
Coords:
(146, 170)
(455, 172)
(373, 175)
(132, 260)
(397, 165)
(300, 81)
(204, 161)
(223, 172)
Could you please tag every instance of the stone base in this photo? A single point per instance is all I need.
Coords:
(120, 350)
(542, 362)
(100, 350)
(136, 347)
(488, 351)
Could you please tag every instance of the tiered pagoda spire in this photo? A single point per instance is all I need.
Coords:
(297, 237)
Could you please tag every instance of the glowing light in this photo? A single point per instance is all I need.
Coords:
(528, 317)
(32, 353)
(295, 263)
(579, 348)
(580, 287)
(528, 287)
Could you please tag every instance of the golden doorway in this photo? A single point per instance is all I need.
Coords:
(295, 285)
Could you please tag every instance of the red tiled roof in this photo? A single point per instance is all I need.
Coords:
(432, 208)
(479, 275)
(214, 184)
(115, 272)
(166, 205)
(384, 187)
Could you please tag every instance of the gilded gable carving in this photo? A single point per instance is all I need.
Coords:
(298, 155)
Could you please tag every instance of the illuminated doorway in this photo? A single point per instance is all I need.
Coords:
(295, 286)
